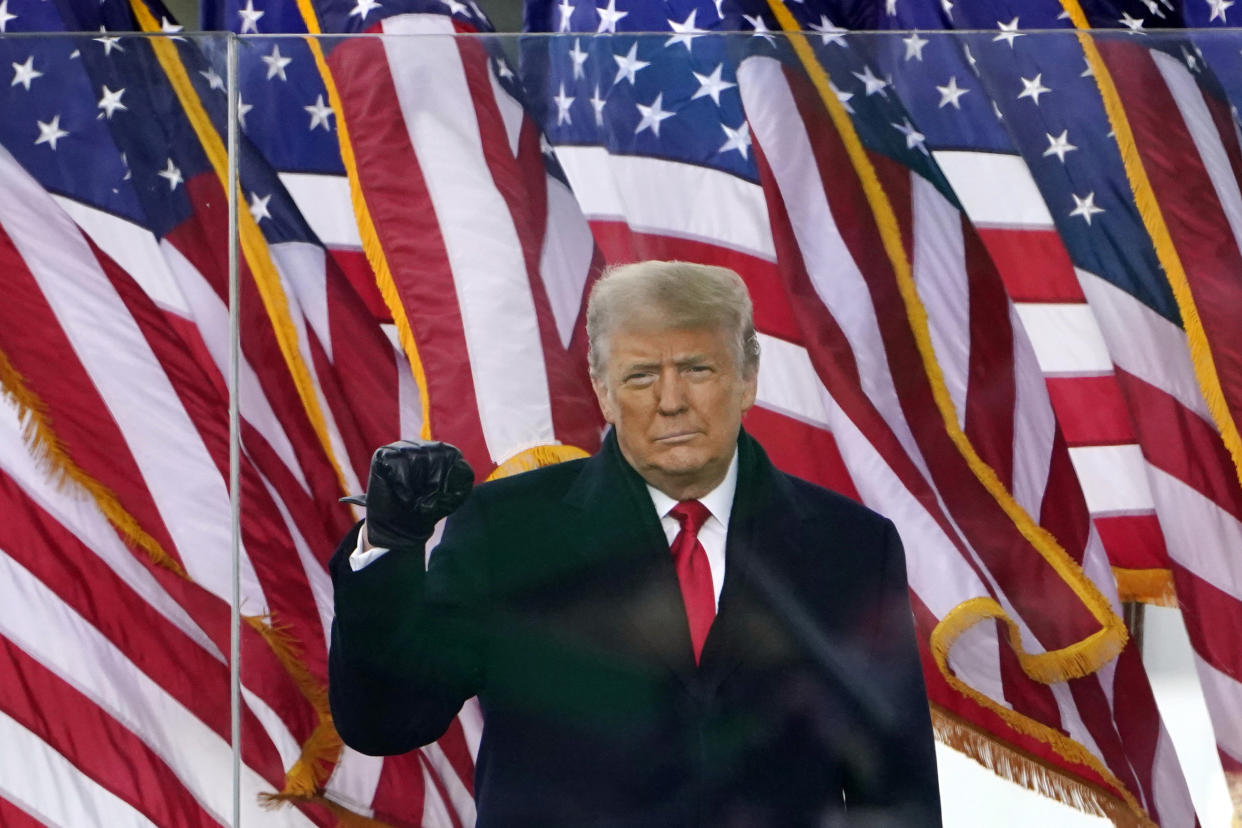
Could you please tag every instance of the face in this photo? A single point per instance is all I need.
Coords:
(675, 397)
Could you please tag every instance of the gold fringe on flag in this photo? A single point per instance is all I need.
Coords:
(961, 618)
(536, 457)
(1146, 586)
(371, 245)
(253, 245)
(1031, 772)
(1075, 660)
(1166, 252)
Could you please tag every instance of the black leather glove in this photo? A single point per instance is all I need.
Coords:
(413, 484)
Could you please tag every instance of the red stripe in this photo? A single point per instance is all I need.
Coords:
(357, 271)
(1133, 541)
(991, 388)
(159, 649)
(98, 745)
(33, 340)
(12, 816)
(1091, 410)
(1181, 443)
(1032, 585)
(1033, 264)
(1213, 621)
(409, 234)
(438, 784)
(1138, 719)
(400, 793)
(1026, 697)
(1064, 510)
(453, 743)
(801, 449)
(1195, 219)
(269, 547)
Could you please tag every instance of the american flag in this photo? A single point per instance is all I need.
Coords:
(416, 245)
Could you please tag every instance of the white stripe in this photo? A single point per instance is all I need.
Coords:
(995, 189)
(1169, 786)
(788, 383)
(1111, 479)
(409, 399)
(684, 201)
(185, 484)
(832, 270)
(511, 112)
(1144, 343)
(51, 632)
(1034, 424)
(435, 809)
(471, 718)
(1200, 535)
(484, 252)
(565, 260)
(354, 780)
(1071, 720)
(326, 204)
(302, 263)
(1202, 129)
(939, 266)
(460, 798)
(1066, 338)
(44, 784)
(317, 578)
(975, 659)
(210, 315)
(134, 248)
(78, 513)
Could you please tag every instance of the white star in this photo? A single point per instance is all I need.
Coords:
(761, 27)
(111, 101)
(24, 73)
(579, 58)
(872, 83)
(890, 8)
(1088, 72)
(50, 132)
(736, 139)
(652, 116)
(502, 69)
(609, 17)
(1008, 31)
(242, 109)
(563, 103)
(365, 7)
(1085, 207)
(1192, 62)
(1134, 24)
(914, 46)
(1219, 7)
(109, 43)
(319, 112)
(250, 18)
(566, 8)
(1154, 8)
(597, 103)
(719, 9)
(214, 81)
(258, 207)
(914, 138)
(948, 8)
(1059, 145)
(454, 6)
(169, 27)
(1032, 88)
(828, 31)
(629, 64)
(685, 31)
(843, 97)
(996, 111)
(5, 17)
(172, 174)
(950, 93)
(712, 85)
(276, 63)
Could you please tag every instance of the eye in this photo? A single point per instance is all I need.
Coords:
(638, 379)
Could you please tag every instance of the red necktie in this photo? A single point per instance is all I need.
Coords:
(693, 571)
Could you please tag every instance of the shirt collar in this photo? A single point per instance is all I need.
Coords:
(719, 501)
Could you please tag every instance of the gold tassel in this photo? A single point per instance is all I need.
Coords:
(536, 457)
(1031, 772)
(1146, 586)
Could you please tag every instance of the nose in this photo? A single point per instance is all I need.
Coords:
(671, 393)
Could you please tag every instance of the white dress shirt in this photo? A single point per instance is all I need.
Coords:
(712, 534)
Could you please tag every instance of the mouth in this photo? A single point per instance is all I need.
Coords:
(676, 438)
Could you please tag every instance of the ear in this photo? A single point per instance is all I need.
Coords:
(750, 389)
(606, 406)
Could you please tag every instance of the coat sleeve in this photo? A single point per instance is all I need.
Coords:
(899, 785)
(407, 641)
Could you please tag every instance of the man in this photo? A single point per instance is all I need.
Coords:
(669, 633)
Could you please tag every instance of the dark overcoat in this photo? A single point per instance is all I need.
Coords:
(554, 599)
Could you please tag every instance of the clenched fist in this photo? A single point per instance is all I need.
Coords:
(413, 484)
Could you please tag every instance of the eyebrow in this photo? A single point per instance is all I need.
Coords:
(680, 362)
